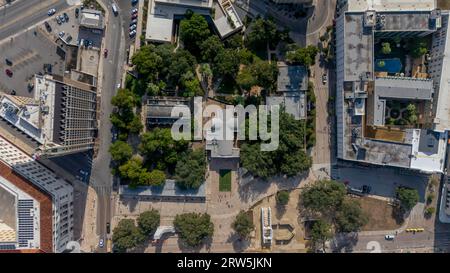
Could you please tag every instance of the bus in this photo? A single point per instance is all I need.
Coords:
(115, 10)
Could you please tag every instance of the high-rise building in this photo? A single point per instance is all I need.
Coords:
(36, 212)
(61, 116)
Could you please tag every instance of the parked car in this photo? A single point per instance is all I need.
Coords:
(48, 27)
(105, 53)
(58, 20)
(134, 16)
(324, 78)
(133, 27)
(51, 12)
(366, 189)
(133, 22)
(66, 17)
(69, 39)
(61, 34)
(62, 18)
(134, 11)
(132, 33)
(389, 237)
(134, 2)
(108, 228)
(101, 244)
(8, 62)
(13, 92)
(9, 73)
(77, 12)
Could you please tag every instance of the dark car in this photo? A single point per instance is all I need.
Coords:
(134, 2)
(66, 17)
(69, 39)
(13, 92)
(77, 12)
(8, 62)
(108, 228)
(366, 189)
(9, 73)
(105, 53)
(48, 27)
(134, 16)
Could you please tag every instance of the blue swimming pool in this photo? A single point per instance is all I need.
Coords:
(390, 65)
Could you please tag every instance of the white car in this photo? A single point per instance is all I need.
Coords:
(134, 11)
(61, 34)
(389, 237)
(132, 33)
(133, 27)
(51, 12)
(101, 244)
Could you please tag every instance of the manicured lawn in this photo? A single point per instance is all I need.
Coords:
(225, 180)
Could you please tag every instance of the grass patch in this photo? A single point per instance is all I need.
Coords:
(382, 216)
(225, 180)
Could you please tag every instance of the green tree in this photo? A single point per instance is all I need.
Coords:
(265, 73)
(192, 88)
(283, 198)
(210, 47)
(124, 100)
(193, 31)
(126, 235)
(320, 234)
(324, 197)
(135, 126)
(289, 159)
(132, 171)
(120, 151)
(262, 33)
(159, 148)
(243, 224)
(386, 48)
(245, 79)
(408, 197)
(305, 55)
(226, 62)
(430, 211)
(190, 169)
(194, 228)
(350, 217)
(153, 178)
(417, 47)
(147, 62)
(411, 113)
(148, 221)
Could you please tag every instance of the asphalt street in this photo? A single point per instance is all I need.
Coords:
(101, 177)
(23, 14)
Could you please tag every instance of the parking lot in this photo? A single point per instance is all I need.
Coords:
(72, 28)
(383, 180)
(28, 53)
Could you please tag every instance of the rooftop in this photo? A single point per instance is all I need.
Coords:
(292, 78)
(169, 190)
(391, 5)
(91, 19)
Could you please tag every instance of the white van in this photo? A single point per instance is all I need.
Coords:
(115, 10)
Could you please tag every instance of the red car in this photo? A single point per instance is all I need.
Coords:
(9, 73)
(105, 53)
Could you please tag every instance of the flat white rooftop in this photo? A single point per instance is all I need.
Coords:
(391, 5)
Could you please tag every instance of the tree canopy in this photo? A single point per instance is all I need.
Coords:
(243, 224)
(320, 233)
(120, 151)
(289, 159)
(263, 32)
(126, 235)
(194, 228)
(190, 169)
(194, 30)
(283, 197)
(323, 197)
(408, 197)
(350, 217)
(148, 221)
(160, 149)
(304, 55)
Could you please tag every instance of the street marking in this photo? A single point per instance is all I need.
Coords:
(374, 247)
